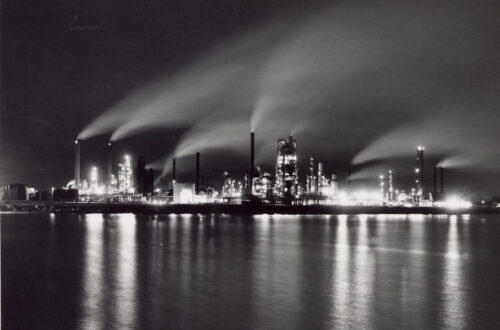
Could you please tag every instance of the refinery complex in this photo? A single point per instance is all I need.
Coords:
(129, 181)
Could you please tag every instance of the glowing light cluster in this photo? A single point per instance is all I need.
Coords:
(125, 175)
(454, 202)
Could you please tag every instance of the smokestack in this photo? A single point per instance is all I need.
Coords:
(173, 170)
(419, 171)
(197, 185)
(435, 179)
(77, 164)
(391, 188)
(442, 179)
(110, 163)
(252, 162)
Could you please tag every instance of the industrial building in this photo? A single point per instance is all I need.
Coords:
(257, 186)
(13, 192)
(286, 187)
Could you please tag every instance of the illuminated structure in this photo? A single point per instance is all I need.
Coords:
(286, 169)
(251, 172)
(125, 175)
(322, 183)
(92, 187)
(77, 164)
(136, 184)
(94, 176)
(173, 170)
(419, 172)
(263, 185)
(110, 166)
(197, 182)
(382, 187)
(231, 188)
(311, 179)
(114, 184)
(334, 186)
(391, 187)
(183, 193)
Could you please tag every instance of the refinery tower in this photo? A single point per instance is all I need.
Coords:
(286, 169)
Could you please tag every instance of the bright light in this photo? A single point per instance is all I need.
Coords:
(343, 198)
(455, 202)
(186, 196)
(93, 174)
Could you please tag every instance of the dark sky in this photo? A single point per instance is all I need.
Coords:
(360, 81)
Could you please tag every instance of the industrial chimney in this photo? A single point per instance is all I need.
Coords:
(173, 170)
(435, 179)
(442, 180)
(110, 164)
(197, 184)
(252, 163)
(419, 171)
(77, 164)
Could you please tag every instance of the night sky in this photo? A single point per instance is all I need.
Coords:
(361, 82)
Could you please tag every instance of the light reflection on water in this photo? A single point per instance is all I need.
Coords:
(453, 279)
(363, 280)
(269, 271)
(125, 276)
(92, 300)
(340, 283)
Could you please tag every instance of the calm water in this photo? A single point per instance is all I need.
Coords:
(262, 272)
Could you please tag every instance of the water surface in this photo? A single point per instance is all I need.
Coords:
(249, 272)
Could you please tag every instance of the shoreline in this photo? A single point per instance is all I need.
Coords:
(242, 209)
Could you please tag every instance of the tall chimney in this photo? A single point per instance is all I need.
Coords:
(173, 170)
(110, 163)
(77, 164)
(252, 163)
(442, 179)
(419, 171)
(197, 185)
(391, 187)
(435, 179)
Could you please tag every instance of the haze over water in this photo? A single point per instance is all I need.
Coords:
(250, 272)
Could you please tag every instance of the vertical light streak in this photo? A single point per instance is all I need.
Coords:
(414, 277)
(126, 281)
(453, 299)
(363, 276)
(341, 275)
(93, 277)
